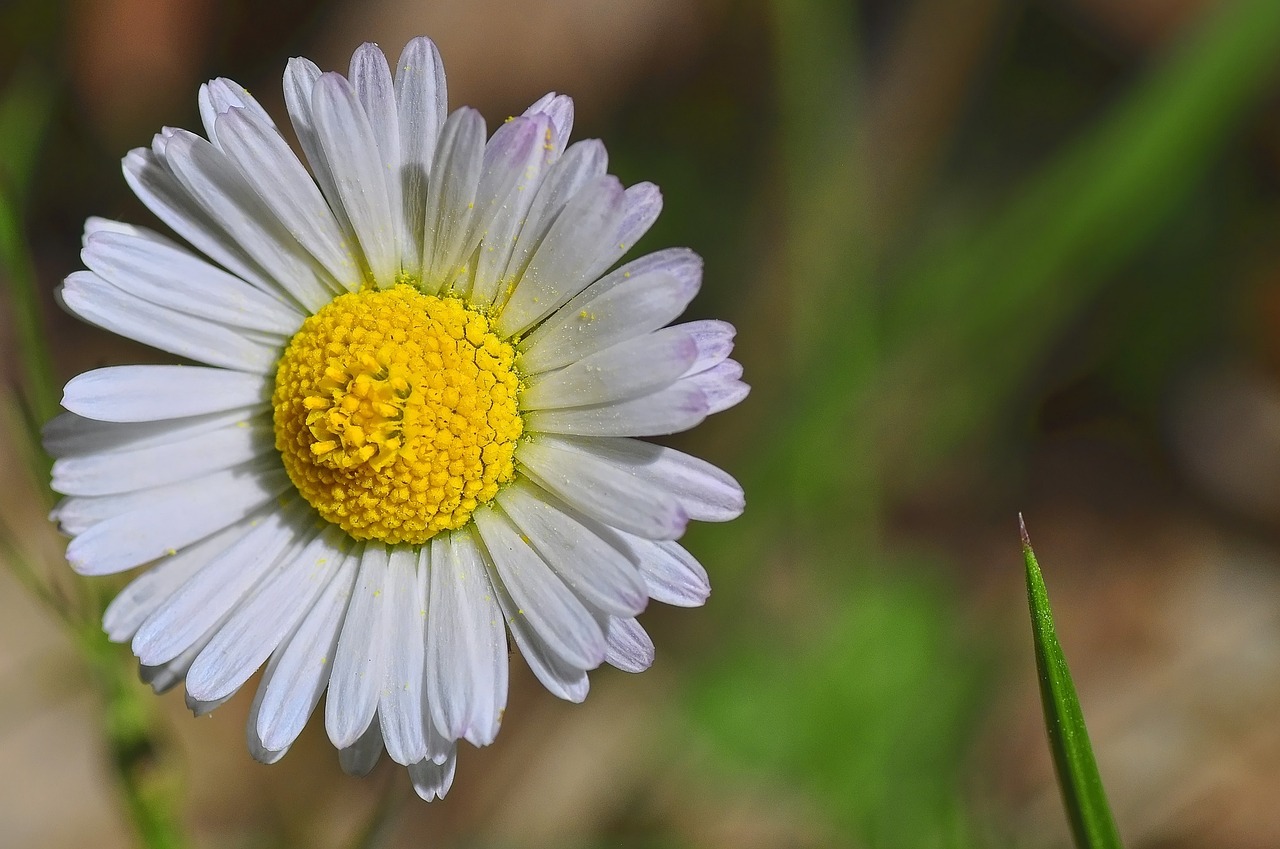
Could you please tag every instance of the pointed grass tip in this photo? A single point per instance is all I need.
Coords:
(1084, 799)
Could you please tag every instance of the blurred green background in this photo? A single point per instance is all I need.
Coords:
(985, 256)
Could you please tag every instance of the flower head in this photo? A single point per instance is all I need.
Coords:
(413, 424)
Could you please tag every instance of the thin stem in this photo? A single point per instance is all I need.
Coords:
(30, 579)
(377, 831)
(148, 779)
(150, 785)
(38, 384)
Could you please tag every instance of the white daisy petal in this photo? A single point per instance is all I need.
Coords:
(362, 755)
(70, 435)
(300, 75)
(565, 336)
(171, 277)
(143, 534)
(643, 206)
(561, 679)
(642, 203)
(617, 316)
(284, 186)
(589, 558)
(292, 686)
(155, 185)
(74, 516)
(714, 340)
(165, 676)
(359, 666)
(98, 302)
(706, 493)
(252, 633)
(359, 175)
(630, 648)
(512, 169)
(214, 591)
(431, 780)
(77, 514)
(678, 407)
(559, 108)
(219, 96)
(199, 707)
(162, 679)
(638, 366)
(371, 80)
(93, 226)
(144, 594)
(670, 573)
(400, 708)
(153, 393)
(554, 614)
(601, 490)
(144, 468)
(219, 187)
(561, 266)
(466, 661)
(438, 745)
(451, 196)
(721, 385)
(581, 164)
(257, 749)
(299, 82)
(422, 99)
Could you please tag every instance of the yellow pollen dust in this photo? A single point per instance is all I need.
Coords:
(395, 413)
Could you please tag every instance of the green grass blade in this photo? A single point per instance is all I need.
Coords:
(26, 110)
(25, 106)
(1082, 792)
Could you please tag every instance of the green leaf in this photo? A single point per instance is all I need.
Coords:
(1082, 793)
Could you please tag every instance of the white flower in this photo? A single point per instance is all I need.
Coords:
(413, 420)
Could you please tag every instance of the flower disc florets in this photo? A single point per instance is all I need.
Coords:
(396, 414)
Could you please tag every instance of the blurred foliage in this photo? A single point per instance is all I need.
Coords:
(886, 384)
(866, 702)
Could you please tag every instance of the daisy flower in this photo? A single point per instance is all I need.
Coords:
(411, 426)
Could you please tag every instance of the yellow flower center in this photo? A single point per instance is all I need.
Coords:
(395, 413)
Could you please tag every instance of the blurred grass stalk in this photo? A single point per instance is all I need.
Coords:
(149, 780)
(25, 110)
(891, 378)
(825, 262)
(1012, 282)
(849, 683)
